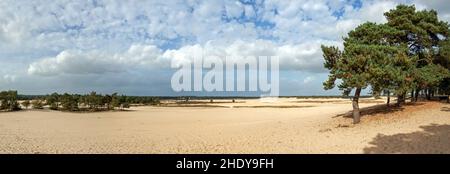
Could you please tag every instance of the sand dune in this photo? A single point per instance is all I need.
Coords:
(288, 125)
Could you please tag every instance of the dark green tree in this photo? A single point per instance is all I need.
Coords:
(37, 104)
(107, 99)
(443, 59)
(115, 101)
(69, 102)
(363, 62)
(53, 101)
(94, 101)
(423, 33)
(124, 102)
(8, 101)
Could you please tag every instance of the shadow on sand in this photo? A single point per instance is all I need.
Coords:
(377, 109)
(446, 109)
(434, 138)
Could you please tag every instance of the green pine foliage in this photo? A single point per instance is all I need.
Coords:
(409, 53)
(8, 101)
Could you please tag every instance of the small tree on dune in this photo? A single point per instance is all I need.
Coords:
(53, 101)
(94, 100)
(107, 99)
(37, 104)
(8, 101)
(125, 105)
(124, 102)
(69, 102)
(115, 101)
(26, 104)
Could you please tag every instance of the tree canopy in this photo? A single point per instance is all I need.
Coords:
(408, 53)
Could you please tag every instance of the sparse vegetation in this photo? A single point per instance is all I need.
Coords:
(8, 101)
(37, 104)
(26, 104)
(74, 102)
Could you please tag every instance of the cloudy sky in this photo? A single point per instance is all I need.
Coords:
(127, 46)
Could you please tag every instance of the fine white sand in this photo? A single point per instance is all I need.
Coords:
(288, 125)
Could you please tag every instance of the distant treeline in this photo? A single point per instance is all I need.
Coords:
(32, 97)
(329, 96)
(9, 101)
(184, 98)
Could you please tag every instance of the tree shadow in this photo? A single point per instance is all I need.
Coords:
(434, 138)
(377, 109)
(446, 109)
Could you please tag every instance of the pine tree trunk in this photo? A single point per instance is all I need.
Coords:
(404, 97)
(412, 96)
(388, 98)
(400, 99)
(356, 113)
(417, 95)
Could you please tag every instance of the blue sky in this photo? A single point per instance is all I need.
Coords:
(127, 46)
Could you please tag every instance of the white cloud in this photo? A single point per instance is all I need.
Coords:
(303, 57)
(308, 79)
(370, 11)
(441, 6)
(8, 78)
(56, 38)
(74, 62)
(95, 62)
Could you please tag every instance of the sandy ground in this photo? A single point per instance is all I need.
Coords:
(288, 125)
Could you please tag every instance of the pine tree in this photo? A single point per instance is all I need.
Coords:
(53, 101)
(364, 62)
(37, 104)
(26, 104)
(422, 32)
